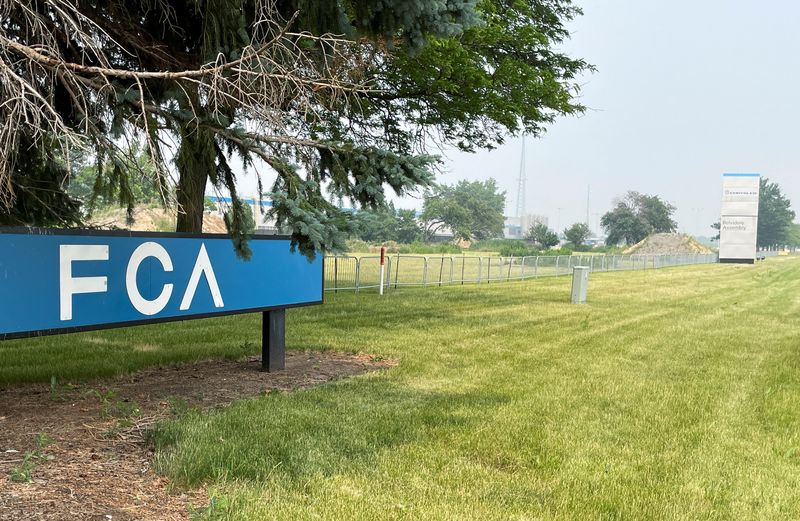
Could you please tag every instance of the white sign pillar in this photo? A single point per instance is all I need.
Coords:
(738, 230)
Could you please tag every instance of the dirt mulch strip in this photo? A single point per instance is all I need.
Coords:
(94, 463)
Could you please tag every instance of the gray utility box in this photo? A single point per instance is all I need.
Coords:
(580, 281)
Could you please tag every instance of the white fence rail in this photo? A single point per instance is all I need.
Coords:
(348, 273)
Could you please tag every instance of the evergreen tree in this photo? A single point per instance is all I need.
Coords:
(376, 225)
(235, 78)
(39, 187)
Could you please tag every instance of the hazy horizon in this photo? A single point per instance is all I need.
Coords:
(684, 92)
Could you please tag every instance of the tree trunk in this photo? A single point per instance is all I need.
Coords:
(195, 161)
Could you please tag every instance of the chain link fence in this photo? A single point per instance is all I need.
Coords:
(349, 273)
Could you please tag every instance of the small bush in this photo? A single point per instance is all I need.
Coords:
(517, 249)
(357, 245)
(496, 245)
(429, 248)
(24, 472)
(523, 249)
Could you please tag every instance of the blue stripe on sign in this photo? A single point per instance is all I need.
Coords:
(741, 175)
(54, 280)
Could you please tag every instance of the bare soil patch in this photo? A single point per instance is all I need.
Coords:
(668, 244)
(151, 219)
(87, 458)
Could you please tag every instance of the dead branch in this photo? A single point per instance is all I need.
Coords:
(280, 83)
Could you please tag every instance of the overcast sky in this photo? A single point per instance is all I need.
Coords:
(684, 91)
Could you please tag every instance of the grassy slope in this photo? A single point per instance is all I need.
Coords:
(672, 395)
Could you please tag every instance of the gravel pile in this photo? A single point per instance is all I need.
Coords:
(668, 243)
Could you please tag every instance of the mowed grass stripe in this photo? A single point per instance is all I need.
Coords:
(638, 405)
(671, 395)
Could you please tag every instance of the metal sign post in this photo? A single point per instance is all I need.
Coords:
(273, 340)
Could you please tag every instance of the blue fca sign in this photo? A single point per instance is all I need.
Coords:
(60, 281)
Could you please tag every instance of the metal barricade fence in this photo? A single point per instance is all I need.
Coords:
(369, 272)
(350, 273)
(341, 273)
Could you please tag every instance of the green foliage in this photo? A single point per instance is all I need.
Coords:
(775, 215)
(503, 75)
(420, 248)
(470, 209)
(493, 245)
(517, 248)
(60, 392)
(408, 230)
(246, 348)
(577, 234)
(636, 216)
(38, 181)
(399, 22)
(386, 225)
(357, 246)
(715, 226)
(564, 250)
(124, 182)
(240, 225)
(43, 440)
(793, 236)
(542, 235)
(313, 223)
(523, 249)
(217, 510)
(488, 245)
(23, 473)
(376, 226)
(111, 406)
(413, 248)
(468, 71)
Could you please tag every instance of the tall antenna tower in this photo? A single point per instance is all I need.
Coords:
(521, 184)
(588, 198)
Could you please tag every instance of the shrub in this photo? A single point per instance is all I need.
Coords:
(426, 248)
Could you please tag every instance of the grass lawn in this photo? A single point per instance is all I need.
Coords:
(672, 395)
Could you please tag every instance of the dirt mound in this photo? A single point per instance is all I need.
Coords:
(667, 244)
(150, 220)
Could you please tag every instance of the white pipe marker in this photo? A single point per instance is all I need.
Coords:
(383, 267)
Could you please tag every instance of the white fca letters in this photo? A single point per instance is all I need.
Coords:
(74, 285)
(71, 286)
(142, 305)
